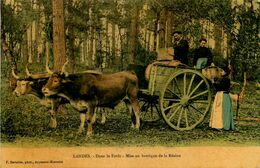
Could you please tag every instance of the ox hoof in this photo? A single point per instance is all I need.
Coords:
(132, 126)
(71, 135)
(62, 110)
(53, 124)
(135, 128)
(88, 136)
(103, 119)
(80, 131)
(103, 122)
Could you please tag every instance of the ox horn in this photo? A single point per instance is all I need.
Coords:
(35, 76)
(29, 74)
(27, 71)
(14, 75)
(48, 68)
(63, 69)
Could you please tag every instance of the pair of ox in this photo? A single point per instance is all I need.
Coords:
(84, 91)
(32, 85)
(88, 91)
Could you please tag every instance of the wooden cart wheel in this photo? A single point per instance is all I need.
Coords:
(149, 108)
(185, 99)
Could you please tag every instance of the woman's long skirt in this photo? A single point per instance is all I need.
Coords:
(222, 115)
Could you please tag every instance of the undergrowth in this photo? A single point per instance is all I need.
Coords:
(24, 122)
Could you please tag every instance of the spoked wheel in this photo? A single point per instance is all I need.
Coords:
(149, 108)
(185, 99)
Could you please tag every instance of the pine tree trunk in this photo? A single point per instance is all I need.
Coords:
(133, 37)
(47, 52)
(169, 25)
(90, 40)
(84, 52)
(149, 41)
(29, 44)
(162, 29)
(38, 38)
(121, 49)
(91, 48)
(218, 38)
(58, 35)
(71, 41)
(99, 56)
(11, 61)
(25, 48)
(113, 53)
(71, 48)
(155, 31)
(107, 46)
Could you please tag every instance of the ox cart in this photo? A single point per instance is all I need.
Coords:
(179, 94)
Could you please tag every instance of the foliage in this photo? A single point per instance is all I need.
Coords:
(18, 116)
(240, 23)
(19, 18)
(246, 51)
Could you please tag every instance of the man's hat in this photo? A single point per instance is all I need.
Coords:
(203, 39)
(176, 32)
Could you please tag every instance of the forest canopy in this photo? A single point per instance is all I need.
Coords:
(110, 34)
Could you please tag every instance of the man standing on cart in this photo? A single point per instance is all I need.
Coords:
(181, 47)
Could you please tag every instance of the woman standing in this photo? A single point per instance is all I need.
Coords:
(222, 115)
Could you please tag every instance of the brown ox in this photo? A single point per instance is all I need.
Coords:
(89, 91)
(32, 85)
